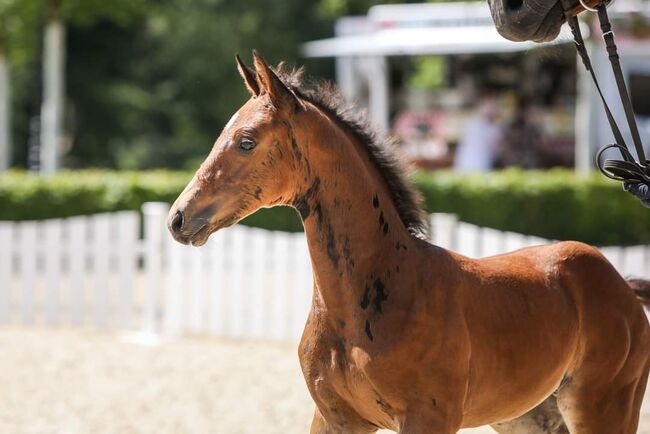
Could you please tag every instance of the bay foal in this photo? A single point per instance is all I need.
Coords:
(402, 334)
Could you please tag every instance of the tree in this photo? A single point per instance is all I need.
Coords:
(5, 98)
(54, 49)
(16, 18)
(156, 91)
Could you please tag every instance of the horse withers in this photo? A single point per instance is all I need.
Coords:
(402, 334)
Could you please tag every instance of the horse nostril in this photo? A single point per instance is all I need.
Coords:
(514, 5)
(177, 222)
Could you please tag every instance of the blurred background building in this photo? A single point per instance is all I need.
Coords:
(422, 71)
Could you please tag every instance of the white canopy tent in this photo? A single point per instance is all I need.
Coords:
(461, 39)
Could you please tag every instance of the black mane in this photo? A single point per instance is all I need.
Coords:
(327, 97)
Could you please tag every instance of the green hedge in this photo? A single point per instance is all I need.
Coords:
(24, 196)
(552, 204)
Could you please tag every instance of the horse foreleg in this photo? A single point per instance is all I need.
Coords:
(428, 423)
(321, 426)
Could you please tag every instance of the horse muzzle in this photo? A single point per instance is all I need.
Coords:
(193, 231)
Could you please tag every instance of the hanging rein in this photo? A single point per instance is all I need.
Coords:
(635, 174)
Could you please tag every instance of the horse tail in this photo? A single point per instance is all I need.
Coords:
(642, 290)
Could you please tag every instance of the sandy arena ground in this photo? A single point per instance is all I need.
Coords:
(72, 381)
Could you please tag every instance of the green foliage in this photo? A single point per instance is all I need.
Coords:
(554, 205)
(27, 196)
(24, 196)
(429, 72)
(18, 23)
(156, 92)
(149, 83)
(88, 12)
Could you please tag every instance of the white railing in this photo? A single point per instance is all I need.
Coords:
(75, 271)
(478, 242)
(244, 283)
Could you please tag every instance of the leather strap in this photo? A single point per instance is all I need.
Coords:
(628, 170)
(608, 37)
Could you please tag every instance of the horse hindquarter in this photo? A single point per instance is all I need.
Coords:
(605, 386)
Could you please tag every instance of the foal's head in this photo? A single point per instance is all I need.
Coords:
(269, 152)
(252, 164)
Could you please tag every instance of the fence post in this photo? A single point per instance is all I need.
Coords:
(6, 270)
(155, 214)
(444, 229)
(128, 234)
(52, 258)
(77, 254)
(175, 296)
(27, 252)
(102, 245)
(633, 261)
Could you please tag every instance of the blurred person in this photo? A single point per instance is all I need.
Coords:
(521, 140)
(423, 138)
(478, 143)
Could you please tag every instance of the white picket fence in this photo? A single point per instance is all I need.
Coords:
(244, 283)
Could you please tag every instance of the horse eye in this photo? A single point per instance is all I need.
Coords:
(246, 145)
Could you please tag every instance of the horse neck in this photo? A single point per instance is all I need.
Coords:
(354, 232)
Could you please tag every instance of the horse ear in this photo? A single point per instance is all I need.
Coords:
(249, 76)
(270, 83)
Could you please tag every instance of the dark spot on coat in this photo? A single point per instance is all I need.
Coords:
(303, 208)
(385, 228)
(327, 235)
(305, 348)
(294, 145)
(365, 300)
(331, 247)
(302, 203)
(397, 269)
(434, 402)
(341, 323)
(368, 331)
(319, 212)
(375, 201)
(385, 407)
(347, 254)
(381, 219)
(399, 245)
(257, 193)
(380, 295)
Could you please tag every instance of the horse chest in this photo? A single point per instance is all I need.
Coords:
(341, 377)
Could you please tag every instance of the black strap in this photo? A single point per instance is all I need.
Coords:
(608, 37)
(586, 61)
(627, 170)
